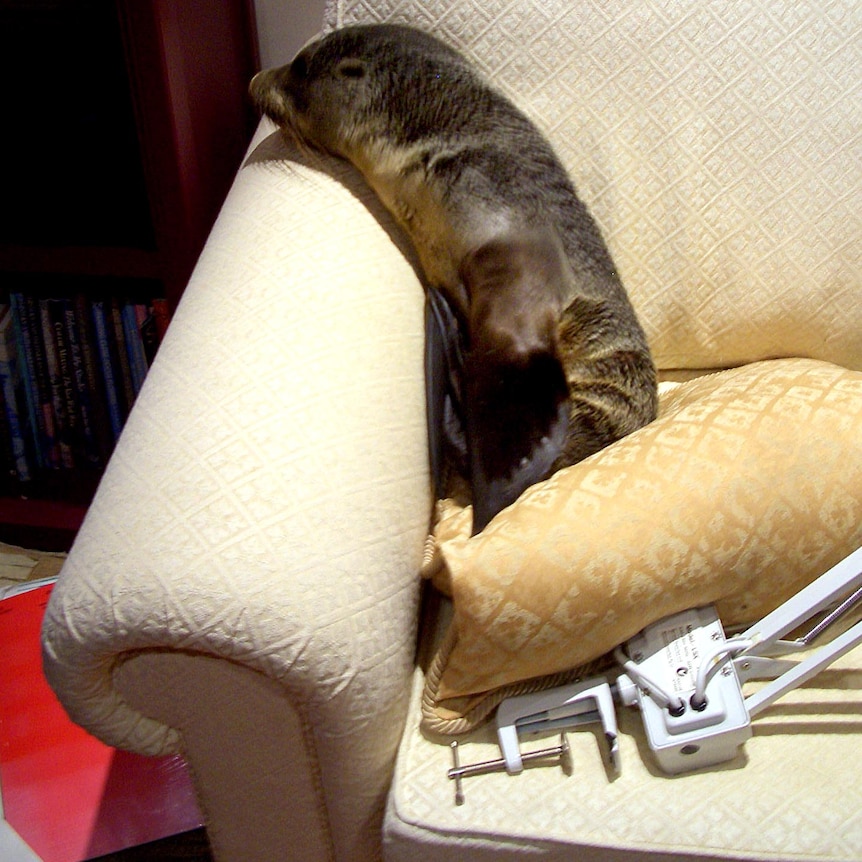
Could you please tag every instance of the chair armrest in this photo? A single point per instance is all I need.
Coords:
(269, 498)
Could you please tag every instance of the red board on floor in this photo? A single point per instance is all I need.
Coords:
(69, 796)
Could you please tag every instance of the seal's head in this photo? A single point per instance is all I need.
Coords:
(362, 83)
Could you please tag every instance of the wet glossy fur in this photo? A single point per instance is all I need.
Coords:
(556, 365)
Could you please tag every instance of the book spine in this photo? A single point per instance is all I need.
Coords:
(93, 379)
(122, 369)
(134, 347)
(27, 369)
(88, 447)
(149, 331)
(8, 471)
(106, 362)
(50, 445)
(55, 382)
(69, 430)
(12, 385)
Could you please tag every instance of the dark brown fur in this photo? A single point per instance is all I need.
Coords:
(556, 364)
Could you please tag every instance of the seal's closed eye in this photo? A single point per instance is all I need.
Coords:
(351, 69)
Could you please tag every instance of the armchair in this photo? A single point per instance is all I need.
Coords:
(245, 589)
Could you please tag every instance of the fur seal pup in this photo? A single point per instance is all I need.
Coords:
(555, 363)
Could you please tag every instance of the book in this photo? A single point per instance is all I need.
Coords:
(54, 382)
(87, 450)
(97, 396)
(148, 329)
(76, 360)
(69, 429)
(14, 397)
(67, 795)
(134, 346)
(31, 358)
(8, 473)
(106, 363)
(122, 367)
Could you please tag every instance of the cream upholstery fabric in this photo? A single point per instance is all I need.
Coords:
(260, 527)
(242, 775)
(268, 501)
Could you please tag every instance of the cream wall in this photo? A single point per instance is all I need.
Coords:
(284, 26)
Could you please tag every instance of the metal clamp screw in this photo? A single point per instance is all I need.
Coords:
(458, 772)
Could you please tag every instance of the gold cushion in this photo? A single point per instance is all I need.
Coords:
(746, 487)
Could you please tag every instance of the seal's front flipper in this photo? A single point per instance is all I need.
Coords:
(517, 421)
(516, 397)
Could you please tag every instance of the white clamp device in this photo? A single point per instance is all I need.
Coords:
(568, 706)
(686, 677)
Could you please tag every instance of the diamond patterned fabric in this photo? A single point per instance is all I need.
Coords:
(268, 500)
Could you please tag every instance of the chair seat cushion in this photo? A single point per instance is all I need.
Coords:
(792, 793)
(747, 487)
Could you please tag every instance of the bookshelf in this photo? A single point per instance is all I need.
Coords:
(125, 123)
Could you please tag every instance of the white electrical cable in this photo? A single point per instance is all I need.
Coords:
(710, 664)
(656, 692)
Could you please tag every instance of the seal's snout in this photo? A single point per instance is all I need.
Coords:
(256, 83)
(259, 87)
(267, 95)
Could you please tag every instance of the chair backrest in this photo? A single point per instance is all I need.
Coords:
(719, 146)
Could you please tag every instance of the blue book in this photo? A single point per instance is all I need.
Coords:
(106, 363)
(25, 338)
(14, 396)
(134, 346)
